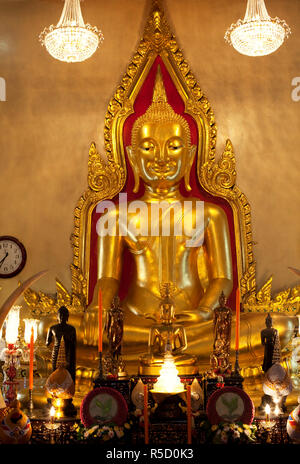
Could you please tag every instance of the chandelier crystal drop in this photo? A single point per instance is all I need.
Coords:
(71, 40)
(257, 34)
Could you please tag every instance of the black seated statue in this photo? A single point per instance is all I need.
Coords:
(55, 333)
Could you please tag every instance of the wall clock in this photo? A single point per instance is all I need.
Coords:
(12, 256)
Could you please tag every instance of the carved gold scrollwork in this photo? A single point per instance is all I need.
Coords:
(42, 304)
(104, 178)
(287, 301)
(221, 176)
(248, 284)
(157, 30)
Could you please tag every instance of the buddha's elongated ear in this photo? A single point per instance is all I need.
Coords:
(191, 156)
(133, 164)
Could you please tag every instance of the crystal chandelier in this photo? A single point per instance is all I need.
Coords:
(71, 40)
(257, 34)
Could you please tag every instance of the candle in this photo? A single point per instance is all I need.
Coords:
(268, 410)
(146, 422)
(189, 415)
(237, 320)
(100, 322)
(52, 414)
(31, 359)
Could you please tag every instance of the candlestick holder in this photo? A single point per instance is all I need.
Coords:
(10, 384)
(268, 424)
(236, 365)
(52, 427)
(235, 379)
(30, 402)
(99, 380)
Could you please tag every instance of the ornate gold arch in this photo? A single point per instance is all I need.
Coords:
(106, 179)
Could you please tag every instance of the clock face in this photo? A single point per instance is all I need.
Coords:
(12, 256)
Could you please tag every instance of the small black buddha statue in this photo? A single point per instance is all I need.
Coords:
(55, 333)
(272, 354)
(270, 340)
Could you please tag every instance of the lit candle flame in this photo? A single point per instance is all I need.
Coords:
(52, 412)
(168, 380)
(28, 324)
(268, 410)
(12, 325)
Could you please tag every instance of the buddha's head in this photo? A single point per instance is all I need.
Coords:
(63, 315)
(268, 321)
(161, 153)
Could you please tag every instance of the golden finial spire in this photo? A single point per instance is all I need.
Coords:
(61, 357)
(159, 92)
(157, 30)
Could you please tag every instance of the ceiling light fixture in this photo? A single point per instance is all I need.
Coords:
(71, 40)
(257, 34)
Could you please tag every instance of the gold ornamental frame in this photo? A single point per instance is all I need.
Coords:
(107, 178)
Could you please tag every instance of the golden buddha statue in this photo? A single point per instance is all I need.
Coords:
(161, 155)
(220, 358)
(165, 335)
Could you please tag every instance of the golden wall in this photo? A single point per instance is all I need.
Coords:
(54, 110)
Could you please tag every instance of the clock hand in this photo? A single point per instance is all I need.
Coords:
(3, 259)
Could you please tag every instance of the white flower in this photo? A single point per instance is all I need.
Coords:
(236, 434)
(119, 433)
(224, 437)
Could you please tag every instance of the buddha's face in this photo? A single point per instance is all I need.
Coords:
(162, 154)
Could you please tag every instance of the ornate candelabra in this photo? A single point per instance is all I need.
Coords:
(11, 356)
(16, 353)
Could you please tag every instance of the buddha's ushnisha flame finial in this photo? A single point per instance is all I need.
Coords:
(159, 92)
(61, 357)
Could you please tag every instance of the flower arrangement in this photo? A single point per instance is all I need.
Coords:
(225, 432)
(102, 433)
